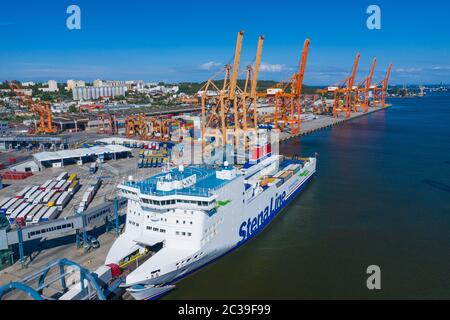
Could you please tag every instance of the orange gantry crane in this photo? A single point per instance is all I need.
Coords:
(368, 85)
(361, 90)
(350, 88)
(382, 88)
(43, 111)
(287, 98)
(344, 92)
(220, 106)
(247, 111)
(145, 128)
(107, 123)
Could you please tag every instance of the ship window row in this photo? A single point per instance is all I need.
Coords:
(150, 228)
(133, 223)
(129, 192)
(182, 233)
(135, 213)
(184, 222)
(181, 263)
(173, 201)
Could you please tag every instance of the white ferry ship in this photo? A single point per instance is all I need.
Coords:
(184, 218)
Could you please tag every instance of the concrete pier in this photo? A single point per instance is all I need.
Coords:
(323, 122)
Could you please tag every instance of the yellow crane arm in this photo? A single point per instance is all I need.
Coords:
(237, 60)
(256, 67)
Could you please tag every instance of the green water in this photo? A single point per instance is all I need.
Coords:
(381, 197)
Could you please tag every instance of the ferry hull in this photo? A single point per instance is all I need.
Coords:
(178, 275)
(245, 207)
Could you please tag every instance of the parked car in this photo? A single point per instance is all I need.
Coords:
(93, 242)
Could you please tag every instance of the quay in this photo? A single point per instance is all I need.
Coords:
(323, 122)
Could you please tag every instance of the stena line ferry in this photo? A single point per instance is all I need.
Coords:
(184, 218)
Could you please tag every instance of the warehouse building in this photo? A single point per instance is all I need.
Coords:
(58, 159)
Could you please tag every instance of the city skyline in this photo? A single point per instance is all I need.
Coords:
(134, 42)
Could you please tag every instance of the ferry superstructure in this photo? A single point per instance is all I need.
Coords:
(189, 216)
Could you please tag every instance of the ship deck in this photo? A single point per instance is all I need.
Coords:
(206, 184)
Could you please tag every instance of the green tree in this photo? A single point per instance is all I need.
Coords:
(73, 109)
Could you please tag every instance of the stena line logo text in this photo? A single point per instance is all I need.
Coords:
(251, 226)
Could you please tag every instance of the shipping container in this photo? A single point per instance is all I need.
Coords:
(48, 196)
(74, 187)
(14, 175)
(52, 185)
(24, 214)
(45, 185)
(286, 174)
(59, 185)
(14, 214)
(72, 177)
(32, 213)
(65, 186)
(14, 206)
(4, 201)
(40, 197)
(34, 196)
(81, 207)
(30, 192)
(22, 193)
(51, 214)
(38, 216)
(96, 184)
(7, 205)
(87, 195)
(52, 201)
(63, 200)
(62, 176)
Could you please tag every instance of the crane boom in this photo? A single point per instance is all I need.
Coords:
(237, 60)
(351, 80)
(386, 79)
(302, 68)
(372, 70)
(368, 84)
(385, 86)
(256, 67)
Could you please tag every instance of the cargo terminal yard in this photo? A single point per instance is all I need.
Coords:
(60, 197)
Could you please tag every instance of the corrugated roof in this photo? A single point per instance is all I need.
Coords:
(77, 153)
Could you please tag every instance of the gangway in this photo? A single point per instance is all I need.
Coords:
(56, 282)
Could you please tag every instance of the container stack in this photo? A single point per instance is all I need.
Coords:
(89, 195)
(35, 204)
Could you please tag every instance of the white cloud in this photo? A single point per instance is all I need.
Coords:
(441, 68)
(267, 67)
(210, 65)
(408, 70)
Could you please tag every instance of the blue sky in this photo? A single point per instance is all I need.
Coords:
(189, 40)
